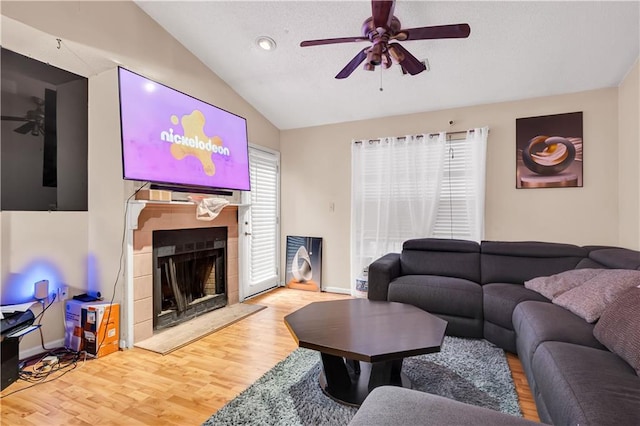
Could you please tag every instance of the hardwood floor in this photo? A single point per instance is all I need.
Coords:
(185, 387)
(527, 404)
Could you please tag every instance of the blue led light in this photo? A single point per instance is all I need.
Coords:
(19, 287)
(93, 274)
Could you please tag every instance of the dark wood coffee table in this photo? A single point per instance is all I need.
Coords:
(363, 343)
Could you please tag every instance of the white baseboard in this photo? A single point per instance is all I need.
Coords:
(338, 290)
(28, 353)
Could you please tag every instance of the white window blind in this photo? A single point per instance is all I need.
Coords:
(264, 216)
(458, 194)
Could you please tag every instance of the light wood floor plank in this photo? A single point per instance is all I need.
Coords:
(185, 387)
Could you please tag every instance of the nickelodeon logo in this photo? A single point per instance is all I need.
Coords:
(194, 141)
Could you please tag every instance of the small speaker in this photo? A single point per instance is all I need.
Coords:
(41, 290)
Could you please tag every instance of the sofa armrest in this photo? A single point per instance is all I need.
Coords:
(392, 405)
(381, 272)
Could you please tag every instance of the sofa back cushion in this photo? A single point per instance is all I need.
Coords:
(589, 264)
(616, 258)
(619, 328)
(517, 262)
(435, 256)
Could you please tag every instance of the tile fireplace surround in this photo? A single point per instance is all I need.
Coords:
(153, 216)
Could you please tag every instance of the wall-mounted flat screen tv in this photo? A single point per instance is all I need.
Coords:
(173, 139)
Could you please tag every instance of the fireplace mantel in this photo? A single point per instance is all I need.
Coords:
(144, 216)
(135, 207)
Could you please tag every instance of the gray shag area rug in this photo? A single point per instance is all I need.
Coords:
(468, 370)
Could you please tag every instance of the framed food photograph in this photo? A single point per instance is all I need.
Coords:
(304, 263)
(549, 151)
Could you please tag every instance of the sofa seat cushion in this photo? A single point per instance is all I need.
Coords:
(586, 386)
(438, 294)
(538, 322)
(391, 405)
(499, 301)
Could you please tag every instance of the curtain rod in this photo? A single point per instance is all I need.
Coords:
(428, 134)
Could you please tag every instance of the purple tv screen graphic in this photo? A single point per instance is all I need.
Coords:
(170, 137)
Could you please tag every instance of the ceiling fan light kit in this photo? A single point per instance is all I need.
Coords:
(383, 30)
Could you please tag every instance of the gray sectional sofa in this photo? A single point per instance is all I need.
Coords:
(576, 373)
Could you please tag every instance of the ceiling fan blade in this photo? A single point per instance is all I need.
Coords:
(408, 62)
(438, 31)
(353, 64)
(333, 41)
(382, 12)
(11, 118)
(25, 128)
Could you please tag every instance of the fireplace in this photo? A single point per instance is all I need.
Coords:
(189, 274)
(144, 220)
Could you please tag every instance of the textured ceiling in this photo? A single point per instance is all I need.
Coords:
(516, 50)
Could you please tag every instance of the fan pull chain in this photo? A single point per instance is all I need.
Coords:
(381, 89)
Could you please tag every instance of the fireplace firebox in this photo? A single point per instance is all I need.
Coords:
(189, 274)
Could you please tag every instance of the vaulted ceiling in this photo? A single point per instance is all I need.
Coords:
(516, 50)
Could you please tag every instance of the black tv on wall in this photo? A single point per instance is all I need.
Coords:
(175, 140)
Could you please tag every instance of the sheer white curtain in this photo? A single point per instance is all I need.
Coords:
(475, 174)
(395, 190)
(418, 186)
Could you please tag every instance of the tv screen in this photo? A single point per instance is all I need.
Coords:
(172, 138)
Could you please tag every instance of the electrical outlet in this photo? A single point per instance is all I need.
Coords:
(50, 360)
(63, 293)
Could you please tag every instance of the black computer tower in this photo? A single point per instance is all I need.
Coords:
(10, 361)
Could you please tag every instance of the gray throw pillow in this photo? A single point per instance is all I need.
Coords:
(554, 285)
(619, 328)
(590, 299)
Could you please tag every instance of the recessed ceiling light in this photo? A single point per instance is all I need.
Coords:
(266, 43)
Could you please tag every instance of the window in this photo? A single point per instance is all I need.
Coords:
(415, 187)
(459, 196)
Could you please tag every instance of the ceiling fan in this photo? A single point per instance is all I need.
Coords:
(34, 119)
(384, 31)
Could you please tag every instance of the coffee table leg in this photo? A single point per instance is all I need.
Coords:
(385, 373)
(355, 365)
(396, 369)
(335, 371)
